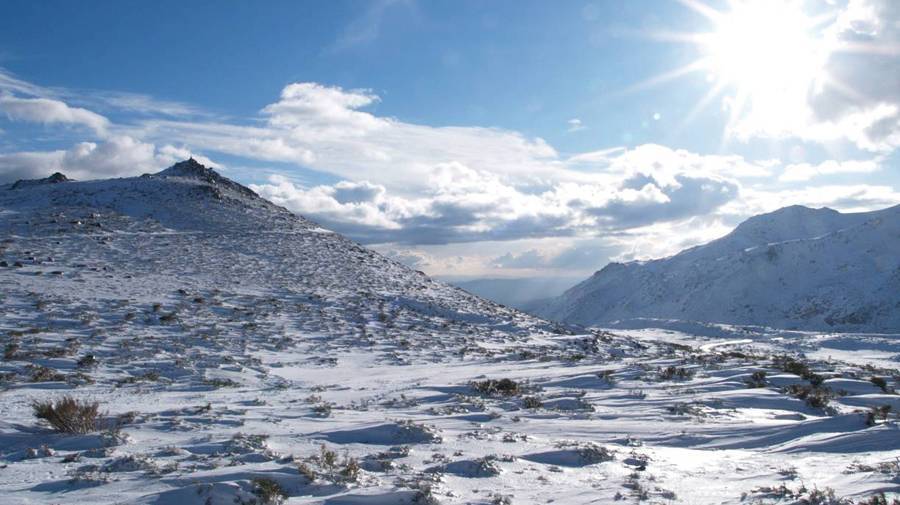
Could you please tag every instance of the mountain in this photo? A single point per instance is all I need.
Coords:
(797, 267)
(188, 218)
(520, 292)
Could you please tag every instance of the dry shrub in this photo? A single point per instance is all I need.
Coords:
(68, 415)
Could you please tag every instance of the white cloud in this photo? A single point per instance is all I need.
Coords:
(138, 103)
(325, 128)
(118, 156)
(323, 110)
(575, 125)
(857, 98)
(48, 111)
(806, 171)
(461, 204)
(97, 100)
(367, 27)
(844, 198)
(665, 162)
(12, 84)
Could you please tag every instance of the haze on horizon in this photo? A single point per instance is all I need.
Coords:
(473, 139)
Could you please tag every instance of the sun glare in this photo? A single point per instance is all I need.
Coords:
(762, 56)
(765, 52)
(763, 47)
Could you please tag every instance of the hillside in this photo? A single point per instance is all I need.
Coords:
(795, 268)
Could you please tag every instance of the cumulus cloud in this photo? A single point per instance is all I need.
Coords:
(531, 258)
(324, 128)
(323, 110)
(117, 156)
(461, 204)
(861, 96)
(857, 94)
(420, 184)
(643, 200)
(48, 111)
(664, 162)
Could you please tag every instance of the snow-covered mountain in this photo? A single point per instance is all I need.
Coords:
(188, 218)
(796, 267)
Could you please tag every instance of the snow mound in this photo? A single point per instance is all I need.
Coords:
(386, 434)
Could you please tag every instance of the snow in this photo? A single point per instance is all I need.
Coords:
(235, 343)
(796, 268)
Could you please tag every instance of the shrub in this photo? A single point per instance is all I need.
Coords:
(494, 387)
(44, 374)
(68, 415)
(268, 491)
(879, 499)
(791, 365)
(880, 382)
(532, 402)
(607, 376)
(350, 471)
(757, 379)
(877, 412)
(326, 464)
(9, 352)
(322, 410)
(672, 372)
(87, 361)
(816, 397)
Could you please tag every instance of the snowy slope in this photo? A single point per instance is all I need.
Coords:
(188, 218)
(235, 348)
(793, 268)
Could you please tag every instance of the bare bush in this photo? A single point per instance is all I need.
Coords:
(68, 415)
(269, 491)
(494, 387)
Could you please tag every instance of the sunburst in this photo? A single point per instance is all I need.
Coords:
(762, 58)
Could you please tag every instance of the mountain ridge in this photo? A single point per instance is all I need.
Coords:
(194, 206)
(794, 268)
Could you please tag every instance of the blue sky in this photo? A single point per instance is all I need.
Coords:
(505, 138)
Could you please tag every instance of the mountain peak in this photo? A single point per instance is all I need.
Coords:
(189, 168)
(193, 169)
(56, 178)
(792, 222)
(796, 267)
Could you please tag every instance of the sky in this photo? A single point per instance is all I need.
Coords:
(510, 138)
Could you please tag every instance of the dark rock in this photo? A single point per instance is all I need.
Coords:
(56, 178)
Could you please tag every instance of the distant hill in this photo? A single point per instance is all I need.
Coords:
(519, 293)
(797, 267)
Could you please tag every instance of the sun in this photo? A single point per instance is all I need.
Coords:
(762, 57)
(763, 46)
(766, 53)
